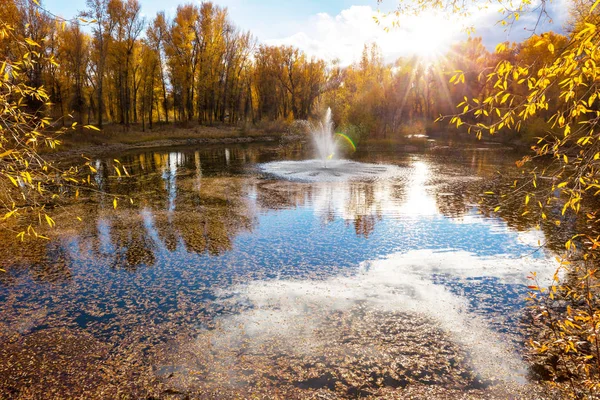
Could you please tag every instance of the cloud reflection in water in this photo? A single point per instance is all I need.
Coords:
(291, 312)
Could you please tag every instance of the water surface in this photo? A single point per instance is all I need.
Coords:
(221, 281)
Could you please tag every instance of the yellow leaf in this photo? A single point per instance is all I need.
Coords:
(50, 221)
(594, 6)
(551, 48)
(31, 42)
(115, 202)
(9, 214)
(496, 209)
(6, 153)
(13, 180)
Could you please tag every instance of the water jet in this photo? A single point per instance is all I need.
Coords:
(327, 166)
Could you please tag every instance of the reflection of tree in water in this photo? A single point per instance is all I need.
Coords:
(118, 236)
(451, 205)
(363, 208)
(453, 198)
(203, 212)
(358, 203)
(365, 224)
(457, 176)
(207, 213)
(132, 244)
(46, 261)
(206, 220)
(522, 217)
(280, 195)
(213, 158)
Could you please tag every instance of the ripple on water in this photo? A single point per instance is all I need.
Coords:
(330, 170)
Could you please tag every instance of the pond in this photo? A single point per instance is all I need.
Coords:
(221, 281)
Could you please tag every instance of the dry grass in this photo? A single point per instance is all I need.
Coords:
(115, 135)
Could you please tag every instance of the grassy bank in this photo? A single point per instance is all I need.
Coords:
(115, 137)
(119, 134)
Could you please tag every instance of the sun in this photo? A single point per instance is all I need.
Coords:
(430, 35)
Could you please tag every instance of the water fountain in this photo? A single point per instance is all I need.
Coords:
(323, 138)
(328, 167)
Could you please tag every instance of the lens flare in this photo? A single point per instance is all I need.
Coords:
(348, 140)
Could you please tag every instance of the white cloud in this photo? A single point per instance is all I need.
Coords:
(343, 36)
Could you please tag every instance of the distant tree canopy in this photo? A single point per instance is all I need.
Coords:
(199, 67)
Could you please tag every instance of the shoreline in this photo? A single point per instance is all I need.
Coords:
(99, 144)
(115, 139)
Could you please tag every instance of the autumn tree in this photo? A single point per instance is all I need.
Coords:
(561, 85)
(156, 34)
(74, 55)
(124, 16)
(148, 76)
(102, 28)
(30, 187)
(287, 82)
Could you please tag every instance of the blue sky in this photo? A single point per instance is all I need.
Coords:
(268, 18)
(339, 28)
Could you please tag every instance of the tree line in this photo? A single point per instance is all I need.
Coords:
(122, 68)
(199, 67)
